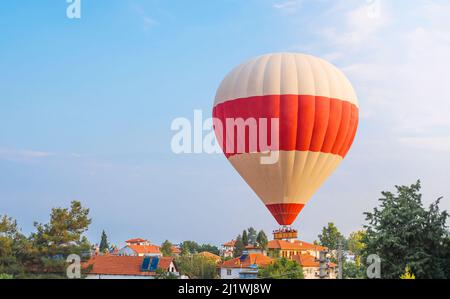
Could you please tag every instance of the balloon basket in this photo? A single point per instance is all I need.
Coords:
(285, 233)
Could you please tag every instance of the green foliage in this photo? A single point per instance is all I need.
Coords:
(351, 270)
(355, 242)
(166, 248)
(356, 245)
(282, 269)
(63, 235)
(239, 246)
(250, 237)
(191, 247)
(14, 247)
(43, 254)
(209, 248)
(403, 233)
(262, 240)
(197, 267)
(5, 276)
(161, 274)
(104, 244)
(330, 237)
(245, 238)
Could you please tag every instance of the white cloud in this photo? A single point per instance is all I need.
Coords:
(290, 6)
(398, 62)
(356, 27)
(22, 155)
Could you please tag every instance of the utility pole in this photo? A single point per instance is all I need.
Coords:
(323, 264)
(340, 259)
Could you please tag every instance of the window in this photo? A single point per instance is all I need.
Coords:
(228, 272)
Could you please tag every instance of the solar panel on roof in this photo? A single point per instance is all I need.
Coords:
(154, 264)
(145, 264)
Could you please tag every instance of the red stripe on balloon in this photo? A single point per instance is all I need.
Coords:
(306, 123)
(285, 213)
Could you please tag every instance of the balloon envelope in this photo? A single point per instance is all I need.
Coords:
(317, 112)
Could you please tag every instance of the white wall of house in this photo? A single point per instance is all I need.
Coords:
(314, 272)
(226, 251)
(229, 273)
(311, 272)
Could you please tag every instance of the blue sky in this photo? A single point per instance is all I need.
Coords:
(86, 107)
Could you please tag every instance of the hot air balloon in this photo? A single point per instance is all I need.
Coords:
(317, 110)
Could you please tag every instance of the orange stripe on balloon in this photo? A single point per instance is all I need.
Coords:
(307, 123)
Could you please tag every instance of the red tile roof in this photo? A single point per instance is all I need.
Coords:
(123, 265)
(251, 259)
(230, 243)
(145, 249)
(251, 247)
(176, 250)
(296, 245)
(307, 260)
(136, 240)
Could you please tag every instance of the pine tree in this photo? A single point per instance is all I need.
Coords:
(104, 244)
(245, 238)
(61, 236)
(262, 240)
(238, 247)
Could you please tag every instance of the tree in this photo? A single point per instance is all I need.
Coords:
(262, 240)
(166, 248)
(191, 247)
(405, 234)
(351, 270)
(245, 238)
(356, 245)
(162, 274)
(54, 241)
(104, 244)
(209, 248)
(239, 246)
(282, 269)
(14, 247)
(330, 237)
(252, 235)
(197, 266)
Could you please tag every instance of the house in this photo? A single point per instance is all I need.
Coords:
(245, 266)
(254, 249)
(227, 249)
(128, 267)
(283, 248)
(211, 256)
(137, 241)
(176, 251)
(311, 266)
(139, 247)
